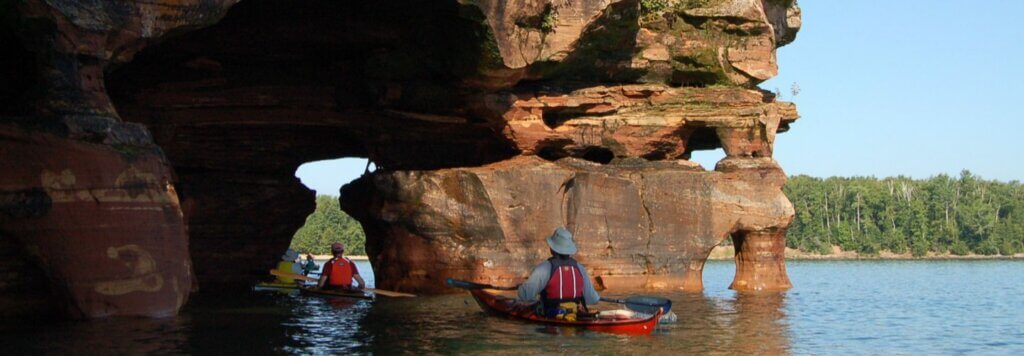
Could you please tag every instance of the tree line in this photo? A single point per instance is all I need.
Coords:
(326, 225)
(958, 215)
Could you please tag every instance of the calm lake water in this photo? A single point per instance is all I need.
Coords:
(858, 307)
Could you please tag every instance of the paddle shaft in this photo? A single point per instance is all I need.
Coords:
(293, 276)
(626, 301)
(654, 304)
(635, 305)
(470, 285)
(311, 279)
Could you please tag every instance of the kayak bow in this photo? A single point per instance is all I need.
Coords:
(513, 309)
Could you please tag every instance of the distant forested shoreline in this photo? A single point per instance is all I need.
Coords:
(940, 215)
(328, 224)
(943, 214)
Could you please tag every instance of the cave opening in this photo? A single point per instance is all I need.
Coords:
(704, 147)
(328, 223)
(239, 106)
(708, 158)
(599, 155)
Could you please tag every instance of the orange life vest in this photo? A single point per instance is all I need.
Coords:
(341, 273)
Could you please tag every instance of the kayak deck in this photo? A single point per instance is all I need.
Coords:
(354, 294)
(514, 309)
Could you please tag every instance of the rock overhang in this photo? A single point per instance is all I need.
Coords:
(425, 89)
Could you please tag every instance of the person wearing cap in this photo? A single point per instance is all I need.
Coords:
(561, 284)
(310, 265)
(288, 265)
(339, 271)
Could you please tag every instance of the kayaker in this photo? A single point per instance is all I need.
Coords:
(310, 265)
(561, 284)
(339, 271)
(288, 265)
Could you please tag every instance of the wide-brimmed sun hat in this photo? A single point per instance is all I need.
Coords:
(290, 255)
(560, 241)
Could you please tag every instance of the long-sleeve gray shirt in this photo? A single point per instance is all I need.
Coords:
(530, 290)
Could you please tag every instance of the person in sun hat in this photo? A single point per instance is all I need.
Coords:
(288, 265)
(561, 284)
(339, 272)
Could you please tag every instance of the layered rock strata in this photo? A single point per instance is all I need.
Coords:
(148, 138)
(637, 224)
(643, 215)
(88, 198)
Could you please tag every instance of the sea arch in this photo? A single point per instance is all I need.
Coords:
(490, 128)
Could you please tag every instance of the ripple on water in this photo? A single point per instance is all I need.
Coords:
(858, 307)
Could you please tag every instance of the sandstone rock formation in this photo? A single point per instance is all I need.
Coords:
(89, 197)
(637, 224)
(145, 138)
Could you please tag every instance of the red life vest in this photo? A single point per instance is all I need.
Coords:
(341, 272)
(565, 283)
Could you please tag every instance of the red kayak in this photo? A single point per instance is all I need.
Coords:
(516, 310)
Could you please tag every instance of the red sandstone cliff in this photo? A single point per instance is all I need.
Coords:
(134, 132)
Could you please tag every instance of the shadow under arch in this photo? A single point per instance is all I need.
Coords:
(238, 106)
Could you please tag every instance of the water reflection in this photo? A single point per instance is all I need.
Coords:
(296, 324)
(760, 324)
(913, 314)
(740, 323)
(326, 325)
(122, 336)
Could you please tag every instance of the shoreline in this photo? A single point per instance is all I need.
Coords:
(722, 253)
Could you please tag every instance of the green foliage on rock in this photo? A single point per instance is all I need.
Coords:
(652, 8)
(549, 19)
(328, 224)
(958, 215)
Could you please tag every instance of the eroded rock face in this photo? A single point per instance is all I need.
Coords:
(105, 225)
(87, 198)
(637, 224)
(492, 122)
(655, 122)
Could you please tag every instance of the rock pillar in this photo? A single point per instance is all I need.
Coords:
(760, 261)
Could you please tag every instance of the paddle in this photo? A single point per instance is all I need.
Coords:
(452, 282)
(640, 303)
(300, 277)
(643, 303)
(388, 293)
(293, 276)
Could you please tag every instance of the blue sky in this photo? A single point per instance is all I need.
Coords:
(907, 87)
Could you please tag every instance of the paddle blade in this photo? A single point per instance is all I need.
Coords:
(388, 293)
(293, 276)
(455, 283)
(648, 304)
